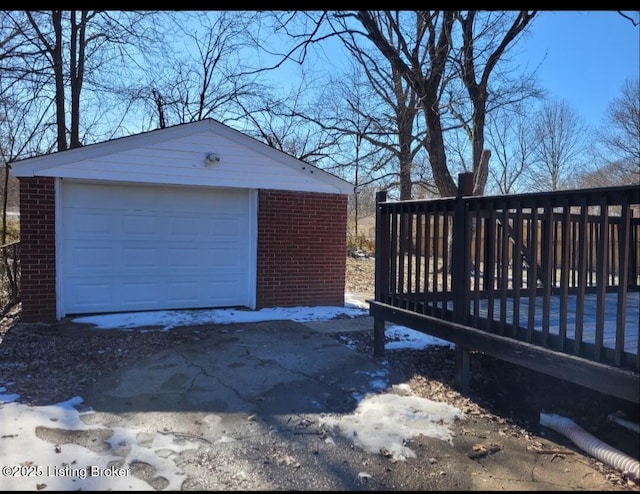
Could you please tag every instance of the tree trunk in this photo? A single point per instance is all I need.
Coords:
(481, 173)
(437, 154)
(77, 55)
(59, 79)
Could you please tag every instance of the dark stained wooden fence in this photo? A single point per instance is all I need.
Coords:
(541, 280)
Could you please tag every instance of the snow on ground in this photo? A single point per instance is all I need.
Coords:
(171, 319)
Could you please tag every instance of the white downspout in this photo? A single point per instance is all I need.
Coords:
(596, 448)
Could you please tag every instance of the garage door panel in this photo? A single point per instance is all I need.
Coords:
(93, 260)
(230, 287)
(183, 292)
(139, 225)
(90, 224)
(184, 226)
(90, 294)
(89, 257)
(136, 292)
(224, 259)
(228, 228)
(135, 247)
(140, 257)
(182, 257)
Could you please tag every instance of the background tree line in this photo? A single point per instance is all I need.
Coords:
(418, 96)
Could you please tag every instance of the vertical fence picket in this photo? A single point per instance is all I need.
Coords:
(533, 289)
(583, 226)
(518, 256)
(565, 265)
(436, 250)
(401, 256)
(393, 254)
(479, 233)
(428, 296)
(623, 281)
(602, 276)
(504, 263)
(418, 299)
(547, 262)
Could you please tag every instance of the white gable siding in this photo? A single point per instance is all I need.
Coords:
(175, 156)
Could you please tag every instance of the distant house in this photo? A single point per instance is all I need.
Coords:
(193, 216)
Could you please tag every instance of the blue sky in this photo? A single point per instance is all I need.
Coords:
(582, 57)
(589, 54)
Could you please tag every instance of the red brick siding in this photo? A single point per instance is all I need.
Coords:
(37, 249)
(301, 256)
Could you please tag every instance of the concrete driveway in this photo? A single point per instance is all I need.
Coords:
(279, 405)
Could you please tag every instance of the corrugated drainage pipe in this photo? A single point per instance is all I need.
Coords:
(596, 448)
(618, 418)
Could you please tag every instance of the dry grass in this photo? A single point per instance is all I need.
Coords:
(360, 275)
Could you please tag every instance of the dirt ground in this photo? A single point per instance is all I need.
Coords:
(505, 403)
(507, 393)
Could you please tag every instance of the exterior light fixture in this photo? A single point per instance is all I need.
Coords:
(211, 159)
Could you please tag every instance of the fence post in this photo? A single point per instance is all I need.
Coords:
(460, 248)
(460, 274)
(633, 256)
(382, 254)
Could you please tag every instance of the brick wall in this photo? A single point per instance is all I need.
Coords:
(37, 249)
(301, 249)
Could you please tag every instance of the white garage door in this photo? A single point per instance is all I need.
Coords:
(132, 247)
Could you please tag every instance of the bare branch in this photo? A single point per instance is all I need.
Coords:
(633, 21)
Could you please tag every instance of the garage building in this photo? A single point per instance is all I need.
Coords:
(193, 216)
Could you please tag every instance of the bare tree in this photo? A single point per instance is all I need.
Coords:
(620, 136)
(474, 57)
(202, 77)
(562, 140)
(340, 106)
(23, 94)
(431, 34)
(70, 53)
(17, 137)
(20, 107)
(395, 129)
(477, 61)
(431, 51)
(294, 123)
(633, 21)
(367, 141)
(509, 136)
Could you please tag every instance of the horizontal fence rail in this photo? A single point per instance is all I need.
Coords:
(558, 270)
